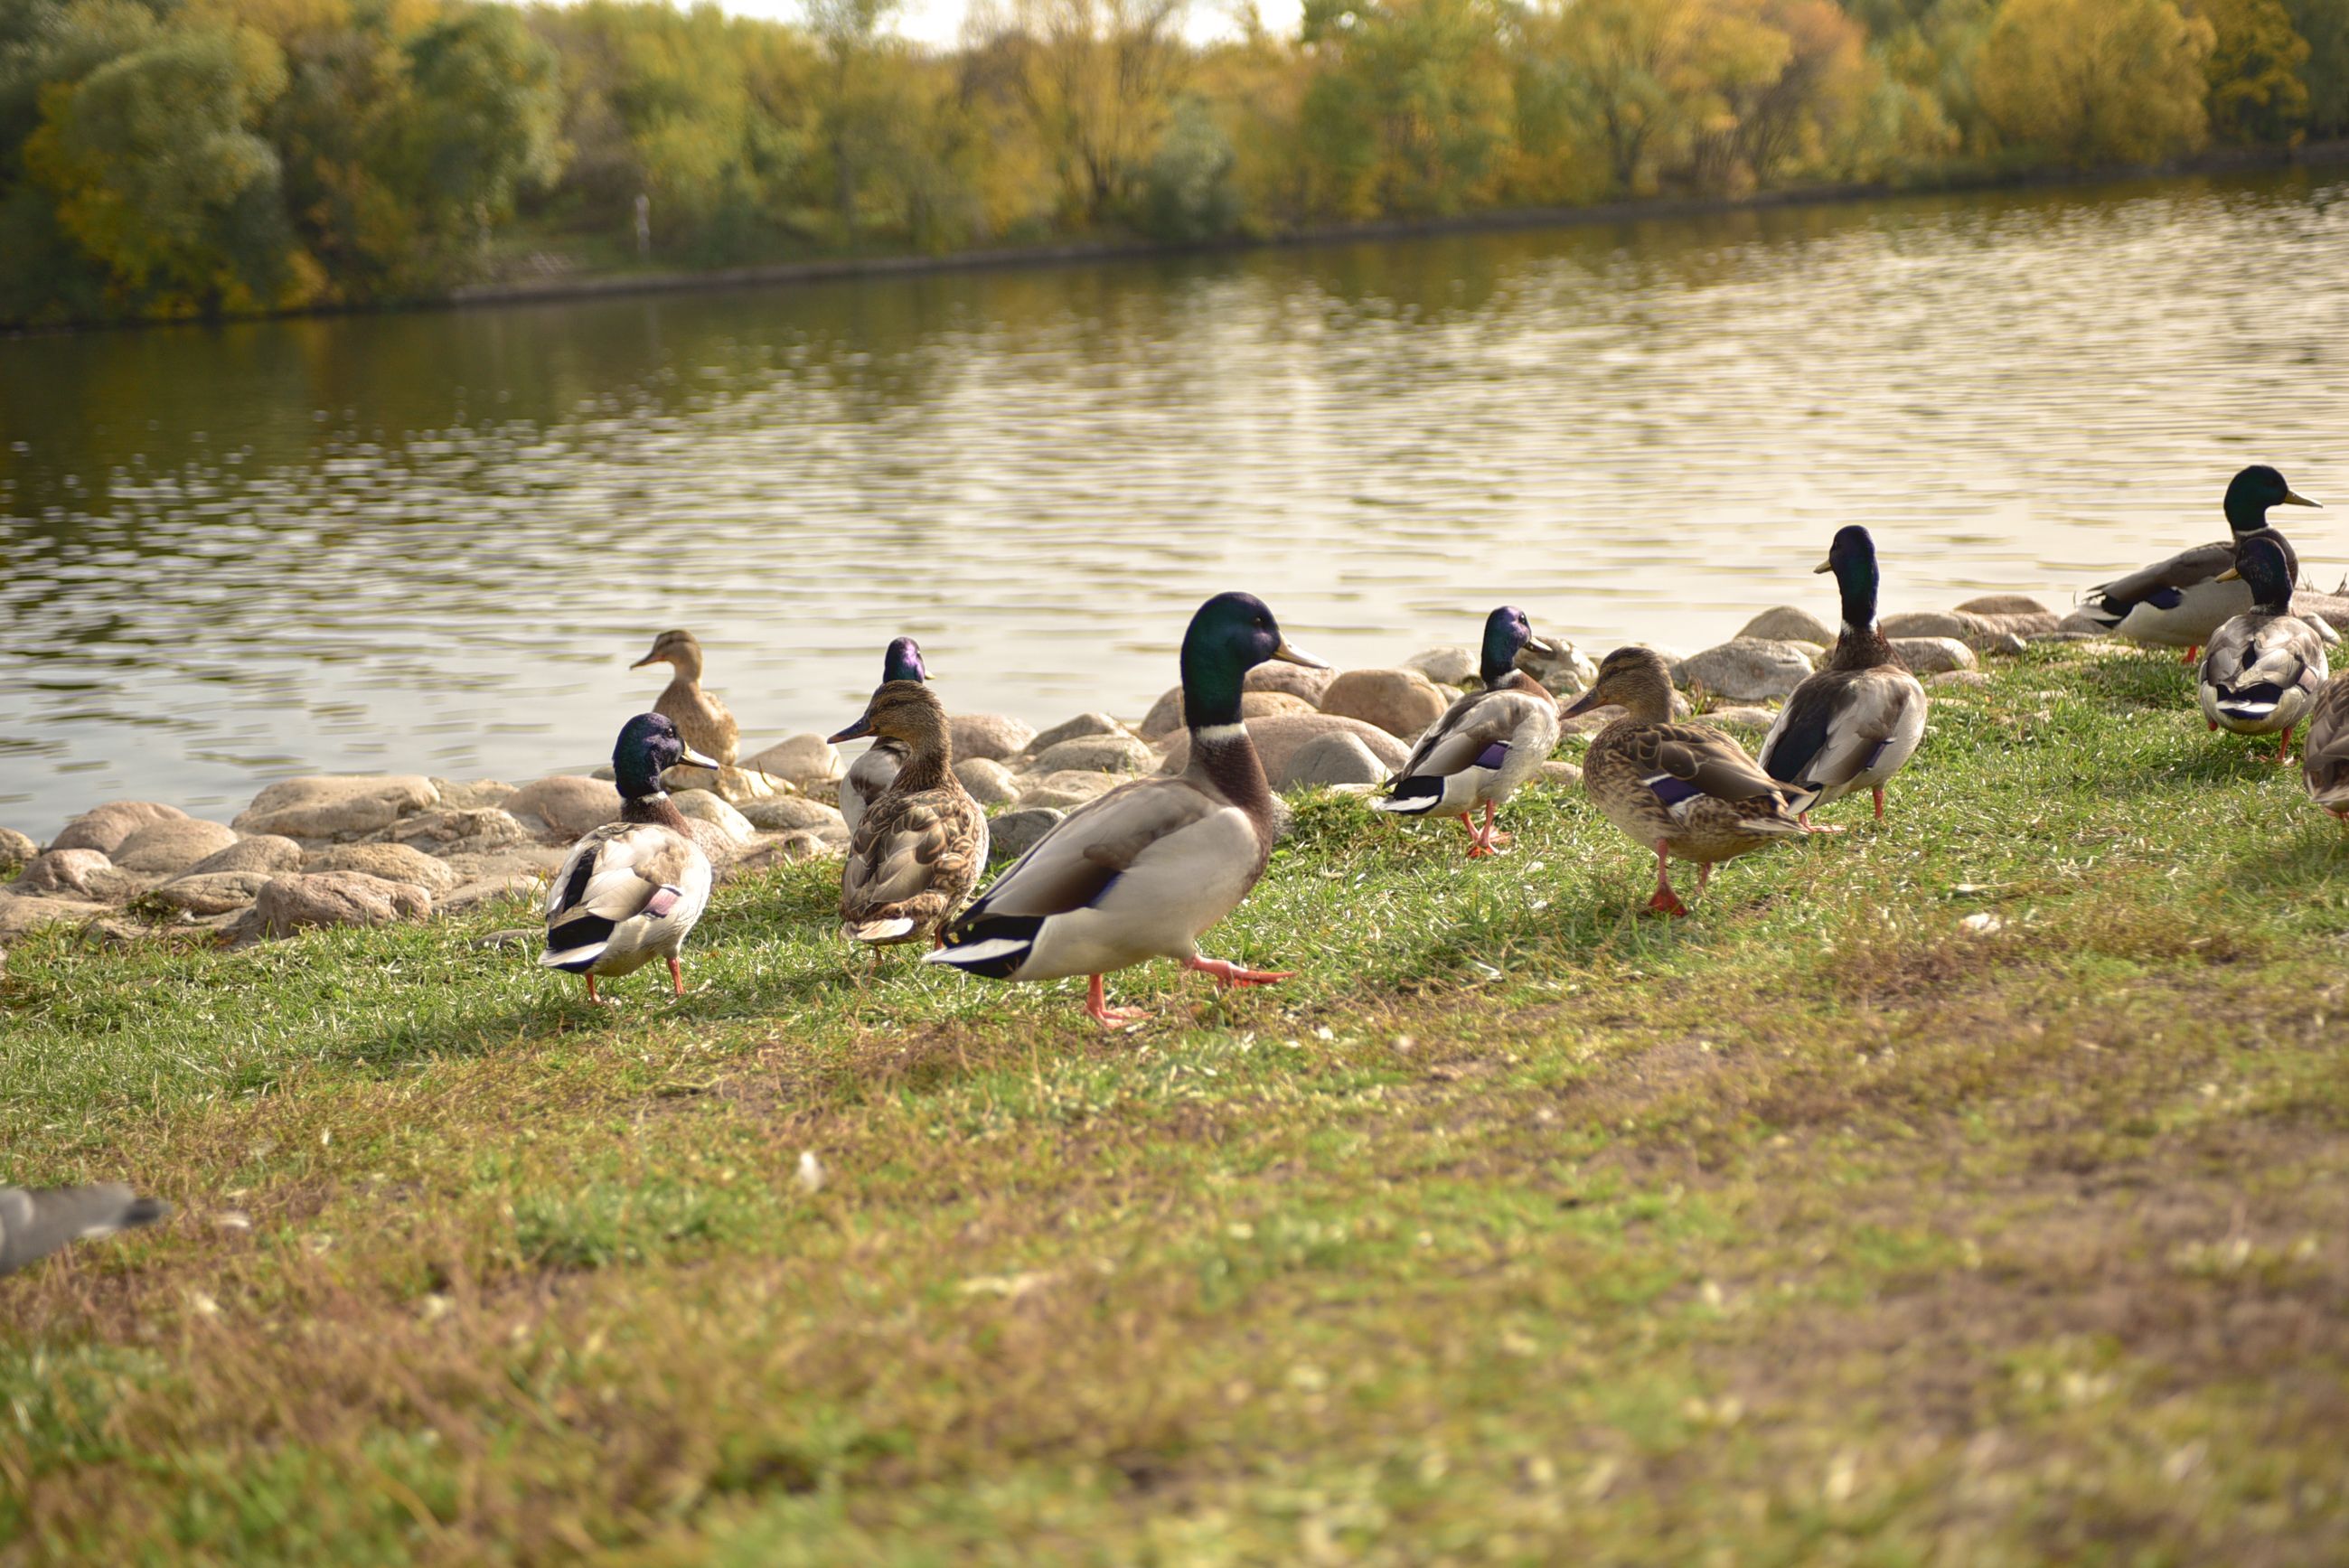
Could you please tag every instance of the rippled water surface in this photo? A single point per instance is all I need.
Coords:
(435, 541)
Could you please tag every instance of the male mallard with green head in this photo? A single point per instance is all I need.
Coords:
(1685, 789)
(2180, 602)
(1854, 724)
(919, 847)
(870, 774)
(698, 716)
(1486, 744)
(630, 890)
(2265, 666)
(1140, 873)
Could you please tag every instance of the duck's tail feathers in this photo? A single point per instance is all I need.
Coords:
(877, 930)
(1411, 797)
(995, 946)
(576, 944)
(2102, 609)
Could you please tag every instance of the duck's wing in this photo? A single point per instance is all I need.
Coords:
(2161, 584)
(1073, 865)
(1478, 731)
(2325, 751)
(868, 779)
(2252, 653)
(1836, 724)
(907, 847)
(615, 875)
(33, 1224)
(1680, 761)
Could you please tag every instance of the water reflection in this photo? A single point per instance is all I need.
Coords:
(434, 540)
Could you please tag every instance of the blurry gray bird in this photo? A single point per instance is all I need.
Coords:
(35, 1222)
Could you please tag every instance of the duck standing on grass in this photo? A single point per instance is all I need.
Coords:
(870, 774)
(631, 891)
(1685, 789)
(35, 1222)
(698, 716)
(1856, 722)
(2324, 750)
(2265, 665)
(2180, 602)
(1486, 744)
(919, 848)
(1139, 872)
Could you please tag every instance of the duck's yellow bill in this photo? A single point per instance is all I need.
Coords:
(1822, 566)
(2294, 497)
(698, 760)
(1288, 652)
(2229, 575)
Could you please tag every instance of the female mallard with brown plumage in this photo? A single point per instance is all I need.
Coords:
(1684, 790)
(698, 716)
(870, 774)
(918, 849)
(1486, 744)
(1139, 872)
(2265, 666)
(2324, 750)
(1854, 723)
(630, 892)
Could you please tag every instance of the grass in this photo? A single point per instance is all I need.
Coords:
(1520, 1228)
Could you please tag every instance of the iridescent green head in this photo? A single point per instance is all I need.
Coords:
(1852, 559)
(1230, 635)
(648, 746)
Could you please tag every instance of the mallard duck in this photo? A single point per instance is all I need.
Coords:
(919, 847)
(1486, 744)
(2178, 603)
(870, 774)
(2324, 750)
(1685, 789)
(631, 891)
(35, 1222)
(2265, 665)
(1139, 872)
(701, 718)
(1856, 723)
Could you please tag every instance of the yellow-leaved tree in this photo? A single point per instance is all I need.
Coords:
(2096, 81)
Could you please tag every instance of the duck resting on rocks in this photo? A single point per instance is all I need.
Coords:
(919, 848)
(631, 891)
(2265, 666)
(870, 774)
(1139, 872)
(1685, 789)
(2180, 601)
(35, 1222)
(701, 718)
(1486, 744)
(1857, 721)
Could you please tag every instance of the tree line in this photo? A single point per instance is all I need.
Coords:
(181, 158)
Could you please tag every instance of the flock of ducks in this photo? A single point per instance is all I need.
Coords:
(1144, 870)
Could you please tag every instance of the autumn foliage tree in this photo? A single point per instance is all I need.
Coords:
(2096, 81)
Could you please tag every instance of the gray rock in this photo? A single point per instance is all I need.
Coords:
(792, 813)
(210, 892)
(1447, 666)
(392, 863)
(1075, 729)
(1745, 669)
(480, 793)
(288, 904)
(1789, 623)
(702, 806)
(990, 783)
(1016, 832)
(1166, 715)
(1400, 702)
(566, 804)
(173, 845)
(1933, 655)
(2080, 624)
(76, 874)
(1561, 775)
(468, 896)
(1957, 679)
(1757, 719)
(1277, 739)
(330, 810)
(1291, 680)
(473, 830)
(774, 849)
(1070, 787)
(1332, 759)
(16, 848)
(989, 736)
(526, 860)
(2005, 605)
(19, 915)
(719, 845)
(107, 828)
(261, 853)
(1564, 671)
(1119, 753)
(731, 785)
(801, 758)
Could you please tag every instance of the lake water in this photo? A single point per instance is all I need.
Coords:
(435, 541)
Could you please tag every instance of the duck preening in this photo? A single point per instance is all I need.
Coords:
(1141, 872)
(630, 890)
(1856, 722)
(2265, 666)
(920, 845)
(698, 716)
(1486, 744)
(870, 774)
(35, 1222)
(2180, 602)
(1684, 790)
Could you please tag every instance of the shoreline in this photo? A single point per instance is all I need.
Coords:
(837, 269)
